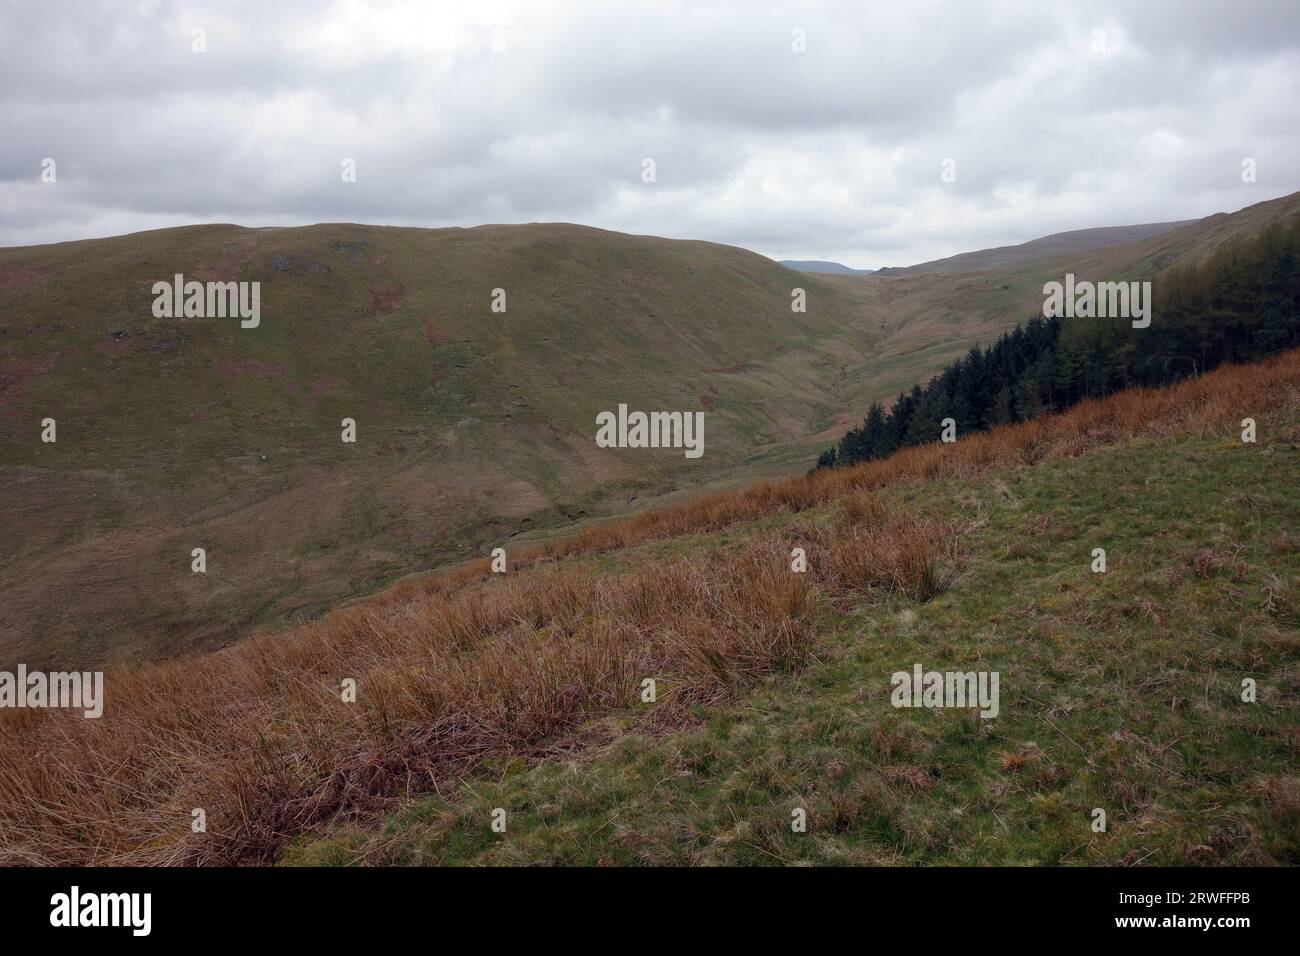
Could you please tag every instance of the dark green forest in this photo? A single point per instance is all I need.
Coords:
(1238, 306)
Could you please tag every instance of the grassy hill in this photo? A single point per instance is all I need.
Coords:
(1056, 246)
(474, 428)
(472, 425)
(929, 313)
(1120, 690)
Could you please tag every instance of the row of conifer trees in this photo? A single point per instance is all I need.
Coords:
(1238, 306)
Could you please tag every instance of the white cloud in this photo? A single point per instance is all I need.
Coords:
(833, 153)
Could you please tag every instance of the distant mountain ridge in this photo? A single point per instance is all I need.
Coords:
(1039, 250)
(822, 265)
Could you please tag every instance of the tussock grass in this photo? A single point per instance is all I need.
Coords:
(464, 666)
(260, 738)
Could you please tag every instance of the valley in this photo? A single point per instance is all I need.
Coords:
(475, 428)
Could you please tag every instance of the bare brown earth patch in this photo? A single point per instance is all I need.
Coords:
(251, 367)
(387, 295)
(234, 257)
(386, 299)
(13, 276)
(433, 335)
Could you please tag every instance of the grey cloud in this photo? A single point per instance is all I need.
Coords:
(832, 153)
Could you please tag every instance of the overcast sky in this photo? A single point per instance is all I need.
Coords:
(1058, 115)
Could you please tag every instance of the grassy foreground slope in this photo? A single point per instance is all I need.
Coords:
(522, 691)
(1120, 690)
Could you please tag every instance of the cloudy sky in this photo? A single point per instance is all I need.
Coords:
(1057, 115)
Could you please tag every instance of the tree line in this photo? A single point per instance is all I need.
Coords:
(1237, 306)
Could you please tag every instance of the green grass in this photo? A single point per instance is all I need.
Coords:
(475, 428)
(472, 426)
(1119, 690)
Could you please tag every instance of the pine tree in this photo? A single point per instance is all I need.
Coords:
(1241, 305)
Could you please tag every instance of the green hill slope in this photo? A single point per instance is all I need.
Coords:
(932, 313)
(1119, 690)
(1121, 687)
(1047, 248)
(474, 427)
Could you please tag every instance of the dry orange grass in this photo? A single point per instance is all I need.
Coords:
(258, 735)
(463, 666)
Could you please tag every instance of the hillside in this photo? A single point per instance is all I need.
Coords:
(933, 312)
(1055, 246)
(1119, 691)
(821, 265)
(1237, 306)
(472, 425)
(474, 428)
(525, 690)
(1043, 249)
